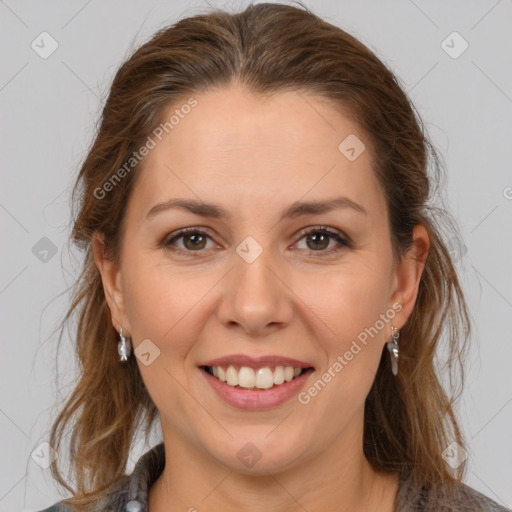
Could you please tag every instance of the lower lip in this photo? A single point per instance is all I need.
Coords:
(257, 400)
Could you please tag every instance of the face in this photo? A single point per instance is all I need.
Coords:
(258, 276)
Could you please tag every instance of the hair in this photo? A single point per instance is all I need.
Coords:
(267, 48)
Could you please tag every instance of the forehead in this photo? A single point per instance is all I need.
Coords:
(239, 147)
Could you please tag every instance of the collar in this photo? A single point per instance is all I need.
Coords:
(132, 493)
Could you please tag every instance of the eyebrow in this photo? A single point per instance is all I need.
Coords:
(294, 210)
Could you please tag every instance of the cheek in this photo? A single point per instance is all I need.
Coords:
(163, 306)
(352, 306)
(352, 299)
(161, 302)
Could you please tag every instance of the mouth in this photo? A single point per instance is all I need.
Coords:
(252, 379)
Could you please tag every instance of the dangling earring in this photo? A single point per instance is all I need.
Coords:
(124, 347)
(394, 349)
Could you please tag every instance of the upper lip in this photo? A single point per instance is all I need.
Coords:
(256, 362)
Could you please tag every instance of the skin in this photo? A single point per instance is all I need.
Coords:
(255, 156)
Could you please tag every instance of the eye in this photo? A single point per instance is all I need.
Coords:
(317, 240)
(320, 237)
(194, 240)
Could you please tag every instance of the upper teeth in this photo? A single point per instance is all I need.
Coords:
(262, 378)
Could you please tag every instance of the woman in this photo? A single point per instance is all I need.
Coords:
(261, 251)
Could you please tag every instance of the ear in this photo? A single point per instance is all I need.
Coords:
(408, 275)
(111, 278)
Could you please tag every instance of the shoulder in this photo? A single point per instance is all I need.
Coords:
(486, 503)
(115, 500)
(450, 497)
(130, 492)
(58, 507)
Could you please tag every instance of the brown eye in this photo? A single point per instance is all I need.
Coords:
(318, 239)
(194, 240)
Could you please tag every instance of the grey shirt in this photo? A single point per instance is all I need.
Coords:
(131, 493)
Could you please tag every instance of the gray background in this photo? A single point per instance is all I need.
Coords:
(49, 108)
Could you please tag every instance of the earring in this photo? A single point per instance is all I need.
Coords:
(124, 347)
(394, 349)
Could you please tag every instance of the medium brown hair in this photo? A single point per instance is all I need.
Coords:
(267, 48)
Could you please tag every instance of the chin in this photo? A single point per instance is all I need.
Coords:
(263, 451)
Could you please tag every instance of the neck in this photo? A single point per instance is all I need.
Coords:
(340, 479)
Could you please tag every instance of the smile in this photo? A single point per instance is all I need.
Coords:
(248, 378)
(255, 398)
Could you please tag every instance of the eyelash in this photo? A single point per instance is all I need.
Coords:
(344, 241)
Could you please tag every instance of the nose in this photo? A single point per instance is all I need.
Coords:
(255, 297)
